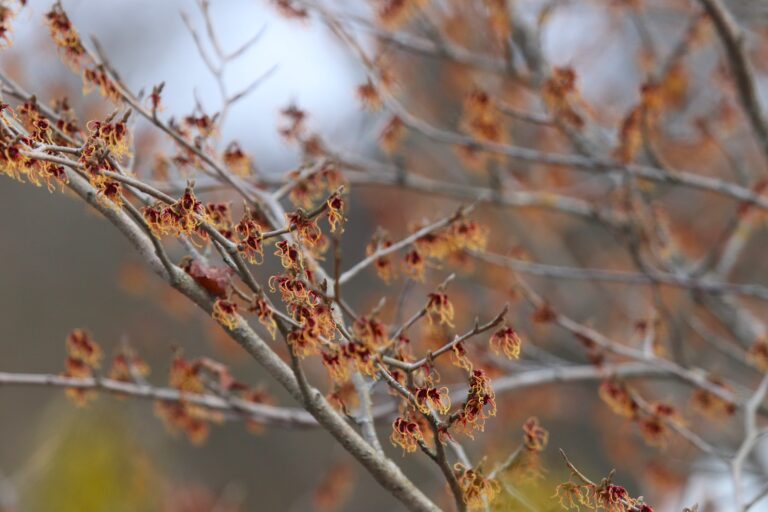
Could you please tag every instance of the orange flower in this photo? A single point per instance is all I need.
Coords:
(434, 245)
(335, 205)
(535, 437)
(440, 307)
(362, 358)
(571, 496)
(369, 96)
(459, 357)
(203, 123)
(394, 13)
(6, 16)
(82, 348)
(383, 265)
(76, 369)
(481, 119)
(498, 20)
(343, 395)
(392, 134)
(469, 235)
(64, 34)
(252, 249)
(478, 491)
(406, 434)
(290, 9)
(334, 360)
(306, 228)
(480, 404)
(83, 356)
(335, 488)
(126, 366)
(236, 160)
(265, 315)
(96, 77)
(415, 265)
(618, 398)
(290, 256)
(305, 191)
(711, 405)
(295, 118)
(220, 217)
(225, 312)
(370, 331)
(654, 431)
(506, 341)
(614, 498)
(52, 174)
(292, 289)
(559, 94)
(185, 375)
(544, 314)
(428, 397)
(180, 416)
(181, 218)
(251, 238)
(758, 354)
(155, 98)
(305, 340)
(111, 190)
(115, 135)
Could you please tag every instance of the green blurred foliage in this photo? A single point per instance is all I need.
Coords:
(89, 462)
(524, 493)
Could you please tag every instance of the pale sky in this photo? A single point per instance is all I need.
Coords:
(148, 43)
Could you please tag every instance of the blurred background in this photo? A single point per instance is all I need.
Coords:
(63, 267)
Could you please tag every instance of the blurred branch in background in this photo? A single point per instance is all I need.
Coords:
(448, 280)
